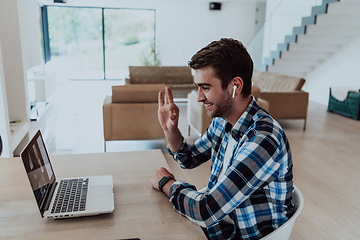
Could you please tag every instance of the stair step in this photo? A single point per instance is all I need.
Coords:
(297, 63)
(317, 39)
(308, 20)
(330, 30)
(275, 54)
(299, 30)
(289, 56)
(293, 69)
(268, 61)
(349, 1)
(344, 8)
(290, 38)
(282, 46)
(261, 67)
(318, 10)
(338, 20)
(289, 71)
(323, 48)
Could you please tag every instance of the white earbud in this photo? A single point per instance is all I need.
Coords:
(233, 93)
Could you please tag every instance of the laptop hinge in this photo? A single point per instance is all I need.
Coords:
(48, 198)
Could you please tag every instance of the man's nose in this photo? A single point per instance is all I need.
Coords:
(201, 96)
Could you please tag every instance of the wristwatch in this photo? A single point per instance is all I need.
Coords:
(163, 181)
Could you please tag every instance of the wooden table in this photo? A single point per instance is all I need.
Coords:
(140, 211)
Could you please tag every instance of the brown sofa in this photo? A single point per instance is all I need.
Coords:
(178, 78)
(197, 118)
(284, 94)
(130, 113)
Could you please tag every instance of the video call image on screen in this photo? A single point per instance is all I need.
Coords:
(38, 168)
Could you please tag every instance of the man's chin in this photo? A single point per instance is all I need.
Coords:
(211, 114)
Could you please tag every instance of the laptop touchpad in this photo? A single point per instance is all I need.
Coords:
(100, 191)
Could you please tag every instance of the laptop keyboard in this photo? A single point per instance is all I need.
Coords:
(71, 196)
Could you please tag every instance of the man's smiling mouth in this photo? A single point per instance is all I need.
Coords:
(207, 105)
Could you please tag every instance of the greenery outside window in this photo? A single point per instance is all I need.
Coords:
(98, 43)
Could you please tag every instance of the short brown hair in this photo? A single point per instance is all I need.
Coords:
(229, 58)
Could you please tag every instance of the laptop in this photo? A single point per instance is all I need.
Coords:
(65, 197)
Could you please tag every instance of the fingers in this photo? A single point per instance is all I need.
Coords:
(161, 99)
(168, 96)
(154, 182)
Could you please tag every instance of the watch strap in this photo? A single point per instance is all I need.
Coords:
(163, 181)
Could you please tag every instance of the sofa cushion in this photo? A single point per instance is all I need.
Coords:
(133, 121)
(136, 93)
(272, 82)
(145, 74)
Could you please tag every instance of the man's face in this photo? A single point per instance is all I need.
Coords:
(217, 101)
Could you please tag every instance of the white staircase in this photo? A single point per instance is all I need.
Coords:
(331, 26)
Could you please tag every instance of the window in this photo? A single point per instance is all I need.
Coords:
(98, 43)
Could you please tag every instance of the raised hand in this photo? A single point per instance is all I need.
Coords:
(168, 112)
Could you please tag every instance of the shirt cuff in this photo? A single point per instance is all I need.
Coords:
(179, 185)
(181, 152)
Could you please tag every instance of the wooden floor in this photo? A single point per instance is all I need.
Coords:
(326, 170)
(326, 165)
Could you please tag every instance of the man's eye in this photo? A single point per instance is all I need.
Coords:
(205, 88)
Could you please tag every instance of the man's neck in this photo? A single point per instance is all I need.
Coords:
(238, 110)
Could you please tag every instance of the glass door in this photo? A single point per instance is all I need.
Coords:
(129, 40)
(98, 43)
(76, 43)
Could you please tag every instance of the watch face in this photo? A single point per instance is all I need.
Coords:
(163, 181)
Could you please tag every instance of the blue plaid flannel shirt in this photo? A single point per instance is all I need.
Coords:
(256, 189)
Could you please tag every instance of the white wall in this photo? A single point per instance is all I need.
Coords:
(340, 70)
(183, 29)
(21, 49)
(12, 58)
(4, 118)
(185, 26)
(30, 32)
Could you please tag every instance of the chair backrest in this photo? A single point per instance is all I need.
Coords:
(273, 82)
(131, 113)
(169, 75)
(145, 75)
(177, 75)
(136, 93)
(284, 231)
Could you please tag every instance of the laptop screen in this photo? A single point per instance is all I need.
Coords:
(38, 168)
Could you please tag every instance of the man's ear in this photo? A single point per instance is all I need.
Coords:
(237, 85)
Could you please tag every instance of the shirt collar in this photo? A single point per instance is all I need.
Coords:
(244, 122)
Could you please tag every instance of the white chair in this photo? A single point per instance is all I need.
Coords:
(284, 231)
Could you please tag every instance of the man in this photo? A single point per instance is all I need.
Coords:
(250, 186)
